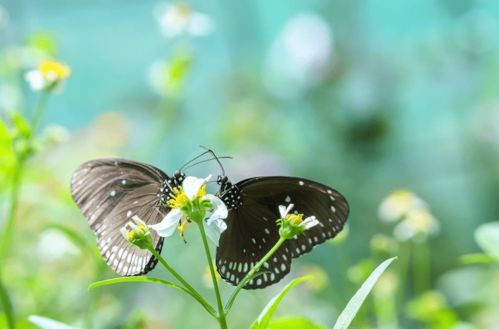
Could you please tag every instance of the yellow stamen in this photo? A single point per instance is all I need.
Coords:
(202, 191)
(295, 218)
(181, 229)
(179, 198)
(53, 70)
(132, 235)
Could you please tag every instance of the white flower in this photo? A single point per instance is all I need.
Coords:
(296, 221)
(417, 224)
(398, 204)
(192, 189)
(177, 19)
(48, 74)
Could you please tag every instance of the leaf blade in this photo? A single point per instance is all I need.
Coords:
(353, 306)
(263, 319)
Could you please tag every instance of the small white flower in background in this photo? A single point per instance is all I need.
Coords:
(412, 215)
(189, 200)
(398, 204)
(179, 18)
(47, 75)
(418, 224)
(293, 224)
(300, 57)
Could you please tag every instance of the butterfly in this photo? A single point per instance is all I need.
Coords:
(110, 192)
(252, 230)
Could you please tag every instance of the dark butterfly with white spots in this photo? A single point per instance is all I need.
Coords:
(252, 230)
(109, 192)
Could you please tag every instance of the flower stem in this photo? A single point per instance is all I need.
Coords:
(40, 107)
(7, 306)
(221, 313)
(187, 286)
(251, 273)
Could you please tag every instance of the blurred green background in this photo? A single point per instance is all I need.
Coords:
(365, 96)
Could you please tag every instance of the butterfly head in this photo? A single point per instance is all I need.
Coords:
(170, 183)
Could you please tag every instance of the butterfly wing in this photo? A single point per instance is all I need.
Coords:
(109, 192)
(252, 230)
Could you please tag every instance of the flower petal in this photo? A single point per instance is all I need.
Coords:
(309, 222)
(214, 229)
(191, 185)
(283, 211)
(219, 210)
(169, 223)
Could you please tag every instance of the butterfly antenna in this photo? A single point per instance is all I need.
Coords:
(193, 159)
(216, 158)
(206, 160)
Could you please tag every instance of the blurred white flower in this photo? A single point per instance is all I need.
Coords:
(418, 224)
(415, 221)
(56, 134)
(179, 18)
(397, 204)
(301, 55)
(47, 75)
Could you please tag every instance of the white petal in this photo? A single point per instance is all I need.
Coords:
(309, 222)
(219, 210)
(35, 80)
(214, 229)
(283, 211)
(191, 185)
(168, 225)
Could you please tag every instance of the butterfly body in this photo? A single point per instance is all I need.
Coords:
(252, 229)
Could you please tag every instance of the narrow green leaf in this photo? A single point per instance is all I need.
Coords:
(294, 323)
(136, 279)
(353, 306)
(487, 237)
(478, 258)
(264, 318)
(150, 280)
(46, 323)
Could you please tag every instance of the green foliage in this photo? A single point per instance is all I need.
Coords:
(294, 323)
(46, 323)
(487, 237)
(266, 315)
(353, 306)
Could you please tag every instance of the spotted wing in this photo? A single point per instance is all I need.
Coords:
(109, 192)
(252, 230)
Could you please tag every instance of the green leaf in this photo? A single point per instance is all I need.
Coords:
(264, 318)
(137, 279)
(478, 258)
(353, 306)
(487, 237)
(46, 323)
(152, 280)
(294, 323)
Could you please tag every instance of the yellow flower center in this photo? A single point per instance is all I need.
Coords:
(54, 71)
(132, 235)
(295, 219)
(179, 198)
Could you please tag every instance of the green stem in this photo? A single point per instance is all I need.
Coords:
(11, 213)
(187, 286)
(221, 313)
(421, 267)
(7, 306)
(40, 107)
(251, 273)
